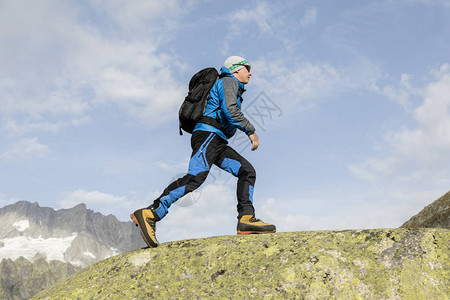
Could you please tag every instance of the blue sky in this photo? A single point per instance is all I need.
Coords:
(358, 135)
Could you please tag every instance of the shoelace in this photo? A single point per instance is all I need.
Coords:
(253, 220)
(152, 225)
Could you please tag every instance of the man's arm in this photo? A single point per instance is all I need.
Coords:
(231, 109)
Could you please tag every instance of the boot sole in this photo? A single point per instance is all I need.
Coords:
(255, 232)
(150, 244)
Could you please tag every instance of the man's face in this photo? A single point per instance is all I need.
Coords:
(243, 75)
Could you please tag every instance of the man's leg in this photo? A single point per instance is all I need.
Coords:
(206, 148)
(234, 163)
(175, 191)
(196, 175)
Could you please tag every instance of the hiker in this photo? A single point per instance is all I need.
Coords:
(221, 119)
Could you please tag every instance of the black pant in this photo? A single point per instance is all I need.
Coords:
(208, 149)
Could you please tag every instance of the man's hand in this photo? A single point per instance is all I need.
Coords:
(255, 142)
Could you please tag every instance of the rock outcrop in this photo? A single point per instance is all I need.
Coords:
(81, 235)
(349, 264)
(435, 215)
(40, 246)
(21, 279)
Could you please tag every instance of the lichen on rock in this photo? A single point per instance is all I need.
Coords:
(349, 264)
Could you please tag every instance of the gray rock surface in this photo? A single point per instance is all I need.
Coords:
(435, 215)
(21, 279)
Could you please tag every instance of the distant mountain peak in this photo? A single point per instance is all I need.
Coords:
(77, 235)
(80, 206)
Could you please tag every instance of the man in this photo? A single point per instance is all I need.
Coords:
(222, 117)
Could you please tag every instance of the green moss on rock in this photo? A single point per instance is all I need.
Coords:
(350, 264)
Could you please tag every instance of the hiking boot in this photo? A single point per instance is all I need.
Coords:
(145, 219)
(249, 224)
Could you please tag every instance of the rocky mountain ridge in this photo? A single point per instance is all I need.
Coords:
(40, 246)
(348, 264)
(22, 279)
(434, 215)
(83, 236)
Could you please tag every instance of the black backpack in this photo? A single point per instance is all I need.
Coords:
(194, 104)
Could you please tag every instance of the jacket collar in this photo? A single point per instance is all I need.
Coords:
(224, 72)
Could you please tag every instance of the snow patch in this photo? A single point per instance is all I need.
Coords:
(87, 253)
(22, 225)
(52, 248)
(115, 251)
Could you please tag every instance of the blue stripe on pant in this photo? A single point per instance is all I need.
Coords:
(166, 201)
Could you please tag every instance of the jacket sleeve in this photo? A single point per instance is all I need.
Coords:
(231, 109)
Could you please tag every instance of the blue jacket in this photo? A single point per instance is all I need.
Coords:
(224, 104)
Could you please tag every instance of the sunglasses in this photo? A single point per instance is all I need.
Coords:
(246, 66)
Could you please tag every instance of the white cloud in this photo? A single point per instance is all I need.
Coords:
(400, 94)
(268, 24)
(420, 152)
(179, 167)
(151, 98)
(60, 61)
(261, 15)
(90, 198)
(262, 20)
(294, 85)
(106, 203)
(17, 127)
(26, 148)
(309, 18)
(369, 169)
(134, 15)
